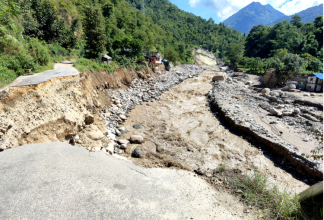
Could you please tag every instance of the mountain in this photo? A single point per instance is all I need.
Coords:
(252, 15)
(307, 15)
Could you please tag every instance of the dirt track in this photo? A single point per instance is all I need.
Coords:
(181, 131)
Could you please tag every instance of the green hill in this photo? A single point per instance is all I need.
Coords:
(36, 33)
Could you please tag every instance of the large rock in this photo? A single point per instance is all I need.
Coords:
(219, 76)
(95, 135)
(297, 111)
(123, 141)
(136, 139)
(138, 126)
(265, 91)
(123, 117)
(275, 112)
(292, 86)
(89, 119)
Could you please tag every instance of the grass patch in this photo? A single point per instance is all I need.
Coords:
(202, 54)
(84, 64)
(220, 168)
(256, 191)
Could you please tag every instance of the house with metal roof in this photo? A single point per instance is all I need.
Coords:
(314, 82)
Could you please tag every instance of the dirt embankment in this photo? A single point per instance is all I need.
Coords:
(204, 57)
(59, 109)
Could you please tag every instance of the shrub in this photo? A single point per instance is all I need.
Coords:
(6, 76)
(18, 63)
(39, 51)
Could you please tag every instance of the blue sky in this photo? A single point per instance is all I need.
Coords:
(219, 10)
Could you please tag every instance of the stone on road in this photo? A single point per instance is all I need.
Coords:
(60, 181)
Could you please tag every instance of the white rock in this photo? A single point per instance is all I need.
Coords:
(136, 139)
(123, 117)
(265, 91)
(123, 141)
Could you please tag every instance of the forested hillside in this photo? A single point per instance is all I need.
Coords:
(34, 34)
(187, 28)
(291, 48)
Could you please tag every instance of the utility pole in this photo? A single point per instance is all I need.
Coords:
(143, 7)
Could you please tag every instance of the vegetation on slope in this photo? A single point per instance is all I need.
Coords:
(34, 34)
(187, 29)
(291, 48)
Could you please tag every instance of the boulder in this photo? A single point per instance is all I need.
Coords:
(89, 119)
(265, 91)
(220, 76)
(292, 86)
(136, 139)
(275, 112)
(136, 154)
(279, 106)
(123, 141)
(110, 147)
(138, 126)
(272, 93)
(297, 111)
(288, 113)
(123, 146)
(95, 135)
(123, 117)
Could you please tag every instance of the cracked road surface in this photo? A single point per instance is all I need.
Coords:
(60, 181)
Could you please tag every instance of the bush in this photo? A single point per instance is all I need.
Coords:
(18, 63)
(6, 76)
(39, 51)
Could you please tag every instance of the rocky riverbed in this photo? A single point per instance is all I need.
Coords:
(141, 91)
(277, 119)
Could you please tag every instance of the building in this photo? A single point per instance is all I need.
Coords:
(314, 82)
(156, 58)
(106, 59)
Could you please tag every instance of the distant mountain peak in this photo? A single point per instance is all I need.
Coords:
(253, 14)
(307, 15)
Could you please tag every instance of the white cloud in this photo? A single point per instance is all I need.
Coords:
(295, 6)
(194, 3)
(226, 8)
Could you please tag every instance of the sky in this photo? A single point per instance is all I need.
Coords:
(219, 10)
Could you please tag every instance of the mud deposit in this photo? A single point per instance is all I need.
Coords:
(181, 131)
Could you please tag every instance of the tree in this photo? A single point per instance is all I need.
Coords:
(290, 66)
(94, 31)
(171, 55)
(316, 65)
(234, 52)
(318, 21)
(295, 20)
(41, 21)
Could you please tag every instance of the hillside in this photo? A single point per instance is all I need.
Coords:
(307, 15)
(188, 28)
(35, 34)
(252, 15)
